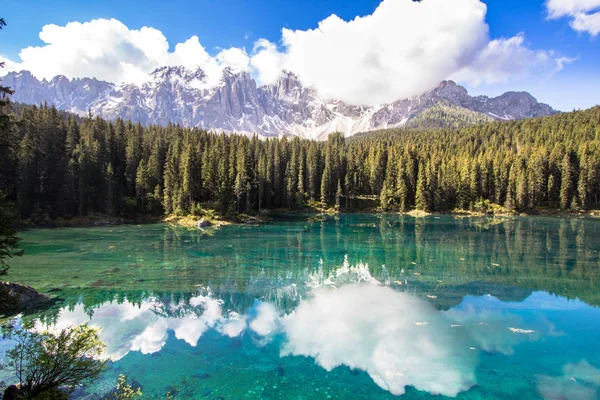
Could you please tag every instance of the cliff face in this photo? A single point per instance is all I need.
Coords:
(236, 104)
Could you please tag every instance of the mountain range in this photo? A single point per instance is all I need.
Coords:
(181, 95)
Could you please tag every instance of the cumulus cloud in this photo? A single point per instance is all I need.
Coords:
(505, 59)
(405, 48)
(584, 15)
(109, 50)
(267, 62)
(400, 50)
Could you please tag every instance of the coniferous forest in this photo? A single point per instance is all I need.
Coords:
(57, 164)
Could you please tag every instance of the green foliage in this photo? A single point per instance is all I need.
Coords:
(125, 390)
(67, 166)
(8, 237)
(338, 196)
(446, 115)
(487, 207)
(46, 362)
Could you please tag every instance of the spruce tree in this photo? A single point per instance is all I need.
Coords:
(325, 187)
(338, 196)
(421, 198)
(567, 183)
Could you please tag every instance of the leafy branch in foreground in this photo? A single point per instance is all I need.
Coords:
(49, 363)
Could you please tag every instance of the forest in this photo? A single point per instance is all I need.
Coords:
(55, 164)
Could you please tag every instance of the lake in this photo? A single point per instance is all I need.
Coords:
(354, 306)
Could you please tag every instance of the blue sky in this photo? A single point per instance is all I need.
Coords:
(239, 23)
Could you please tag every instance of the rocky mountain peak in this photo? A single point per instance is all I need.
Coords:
(177, 94)
(452, 88)
(169, 73)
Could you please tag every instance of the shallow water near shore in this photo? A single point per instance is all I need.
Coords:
(353, 306)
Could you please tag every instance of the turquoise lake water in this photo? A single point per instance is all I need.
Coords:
(349, 307)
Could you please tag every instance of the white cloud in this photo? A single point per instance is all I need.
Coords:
(584, 15)
(109, 50)
(267, 62)
(561, 8)
(400, 50)
(587, 23)
(405, 48)
(503, 60)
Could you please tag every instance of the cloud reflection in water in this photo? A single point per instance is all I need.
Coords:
(398, 339)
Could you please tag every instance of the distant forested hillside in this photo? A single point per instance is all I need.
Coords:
(446, 115)
(54, 164)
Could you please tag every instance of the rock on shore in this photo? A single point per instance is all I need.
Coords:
(15, 297)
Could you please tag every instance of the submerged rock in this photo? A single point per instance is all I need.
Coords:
(201, 374)
(279, 370)
(18, 297)
(202, 223)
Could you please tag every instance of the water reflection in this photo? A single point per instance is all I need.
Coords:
(346, 318)
(554, 255)
(478, 308)
(579, 381)
(398, 339)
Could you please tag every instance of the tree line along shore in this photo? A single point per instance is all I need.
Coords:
(56, 165)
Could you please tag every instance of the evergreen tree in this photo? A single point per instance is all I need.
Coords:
(510, 203)
(338, 196)
(421, 200)
(567, 183)
(385, 197)
(325, 187)
(9, 241)
(58, 164)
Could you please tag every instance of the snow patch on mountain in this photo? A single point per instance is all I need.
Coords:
(184, 96)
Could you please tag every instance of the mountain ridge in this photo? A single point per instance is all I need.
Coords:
(236, 104)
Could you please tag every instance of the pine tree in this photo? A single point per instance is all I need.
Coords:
(421, 199)
(510, 203)
(402, 194)
(325, 187)
(385, 197)
(567, 183)
(313, 171)
(54, 164)
(338, 196)
(300, 194)
(141, 183)
(111, 201)
(582, 183)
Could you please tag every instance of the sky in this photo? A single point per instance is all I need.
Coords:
(361, 51)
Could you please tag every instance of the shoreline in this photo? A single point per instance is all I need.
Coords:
(217, 220)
